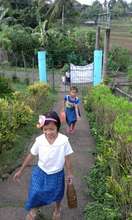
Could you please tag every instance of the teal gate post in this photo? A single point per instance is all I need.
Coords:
(97, 72)
(42, 66)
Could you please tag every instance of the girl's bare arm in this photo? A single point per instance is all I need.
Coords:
(77, 112)
(27, 160)
(69, 168)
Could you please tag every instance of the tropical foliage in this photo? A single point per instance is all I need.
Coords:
(17, 111)
(110, 179)
(29, 25)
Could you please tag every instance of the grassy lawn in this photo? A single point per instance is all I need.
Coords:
(121, 34)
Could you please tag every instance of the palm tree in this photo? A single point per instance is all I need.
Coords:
(61, 9)
(3, 12)
(6, 12)
(41, 7)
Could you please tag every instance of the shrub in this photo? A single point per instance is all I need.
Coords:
(5, 87)
(110, 179)
(119, 59)
(37, 93)
(13, 115)
(130, 72)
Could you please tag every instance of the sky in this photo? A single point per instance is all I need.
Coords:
(89, 2)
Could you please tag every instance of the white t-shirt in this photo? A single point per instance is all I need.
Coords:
(51, 157)
(67, 74)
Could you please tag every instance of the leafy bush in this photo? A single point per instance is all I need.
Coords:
(119, 59)
(38, 89)
(110, 179)
(37, 93)
(22, 114)
(70, 46)
(5, 87)
(99, 211)
(7, 131)
(129, 72)
(18, 111)
(12, 116)
(67, 46)
(17, 122)
(22, 45)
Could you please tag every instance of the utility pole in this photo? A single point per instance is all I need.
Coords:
(106, 41)
(104, 23)
(63, 12)
(106, 50)
(97, 44)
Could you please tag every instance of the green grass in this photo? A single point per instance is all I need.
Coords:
(122, 34)
(17, 69)
(19, 86)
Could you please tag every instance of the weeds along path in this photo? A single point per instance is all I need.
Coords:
(12, 196)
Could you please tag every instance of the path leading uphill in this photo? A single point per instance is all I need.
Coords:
(12, 196)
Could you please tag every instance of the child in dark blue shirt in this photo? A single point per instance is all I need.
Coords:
(71, 105)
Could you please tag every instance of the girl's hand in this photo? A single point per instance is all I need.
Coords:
(69, 179)
(78, 118)
(17, 176)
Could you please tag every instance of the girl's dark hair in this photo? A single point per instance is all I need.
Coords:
(74, 88)
(55, 116)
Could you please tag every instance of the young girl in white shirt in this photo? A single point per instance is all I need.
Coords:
(48, 179)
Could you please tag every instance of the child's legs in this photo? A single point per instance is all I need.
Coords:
(32, 214)
(74, 126)
(57, 207)
(69, 128)
(57, 211)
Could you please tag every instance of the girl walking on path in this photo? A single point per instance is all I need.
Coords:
(71, 106)
(48, 178)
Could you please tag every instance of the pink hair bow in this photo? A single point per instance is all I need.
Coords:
(42, 120)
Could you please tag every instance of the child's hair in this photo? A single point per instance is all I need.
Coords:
(50, 117)
(74, 88)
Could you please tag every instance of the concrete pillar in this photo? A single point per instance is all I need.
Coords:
(42, 66)
(97, 76)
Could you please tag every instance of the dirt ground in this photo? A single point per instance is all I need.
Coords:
(12, 196)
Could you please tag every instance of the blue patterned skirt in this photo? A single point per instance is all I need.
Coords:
(70, 116)
(44, 189)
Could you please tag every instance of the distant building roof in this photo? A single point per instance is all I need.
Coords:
(90, 22)
(129, 13)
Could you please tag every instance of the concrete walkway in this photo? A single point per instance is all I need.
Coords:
(12, 196)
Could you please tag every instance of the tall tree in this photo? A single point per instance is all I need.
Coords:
(61, 9)
(95, 9)
(5, 3)
(5, 12)
(120, 8)
(111, 4)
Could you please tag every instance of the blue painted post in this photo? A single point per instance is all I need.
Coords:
(42, 66)
(97, 77)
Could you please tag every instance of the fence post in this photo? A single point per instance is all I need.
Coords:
(97, 44)
(42, 66)
(97, 76)
(106, 50)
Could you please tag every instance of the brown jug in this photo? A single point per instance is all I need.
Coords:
(71, 196)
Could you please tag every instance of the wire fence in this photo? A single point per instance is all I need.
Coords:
(12, 69)
(55, 73)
